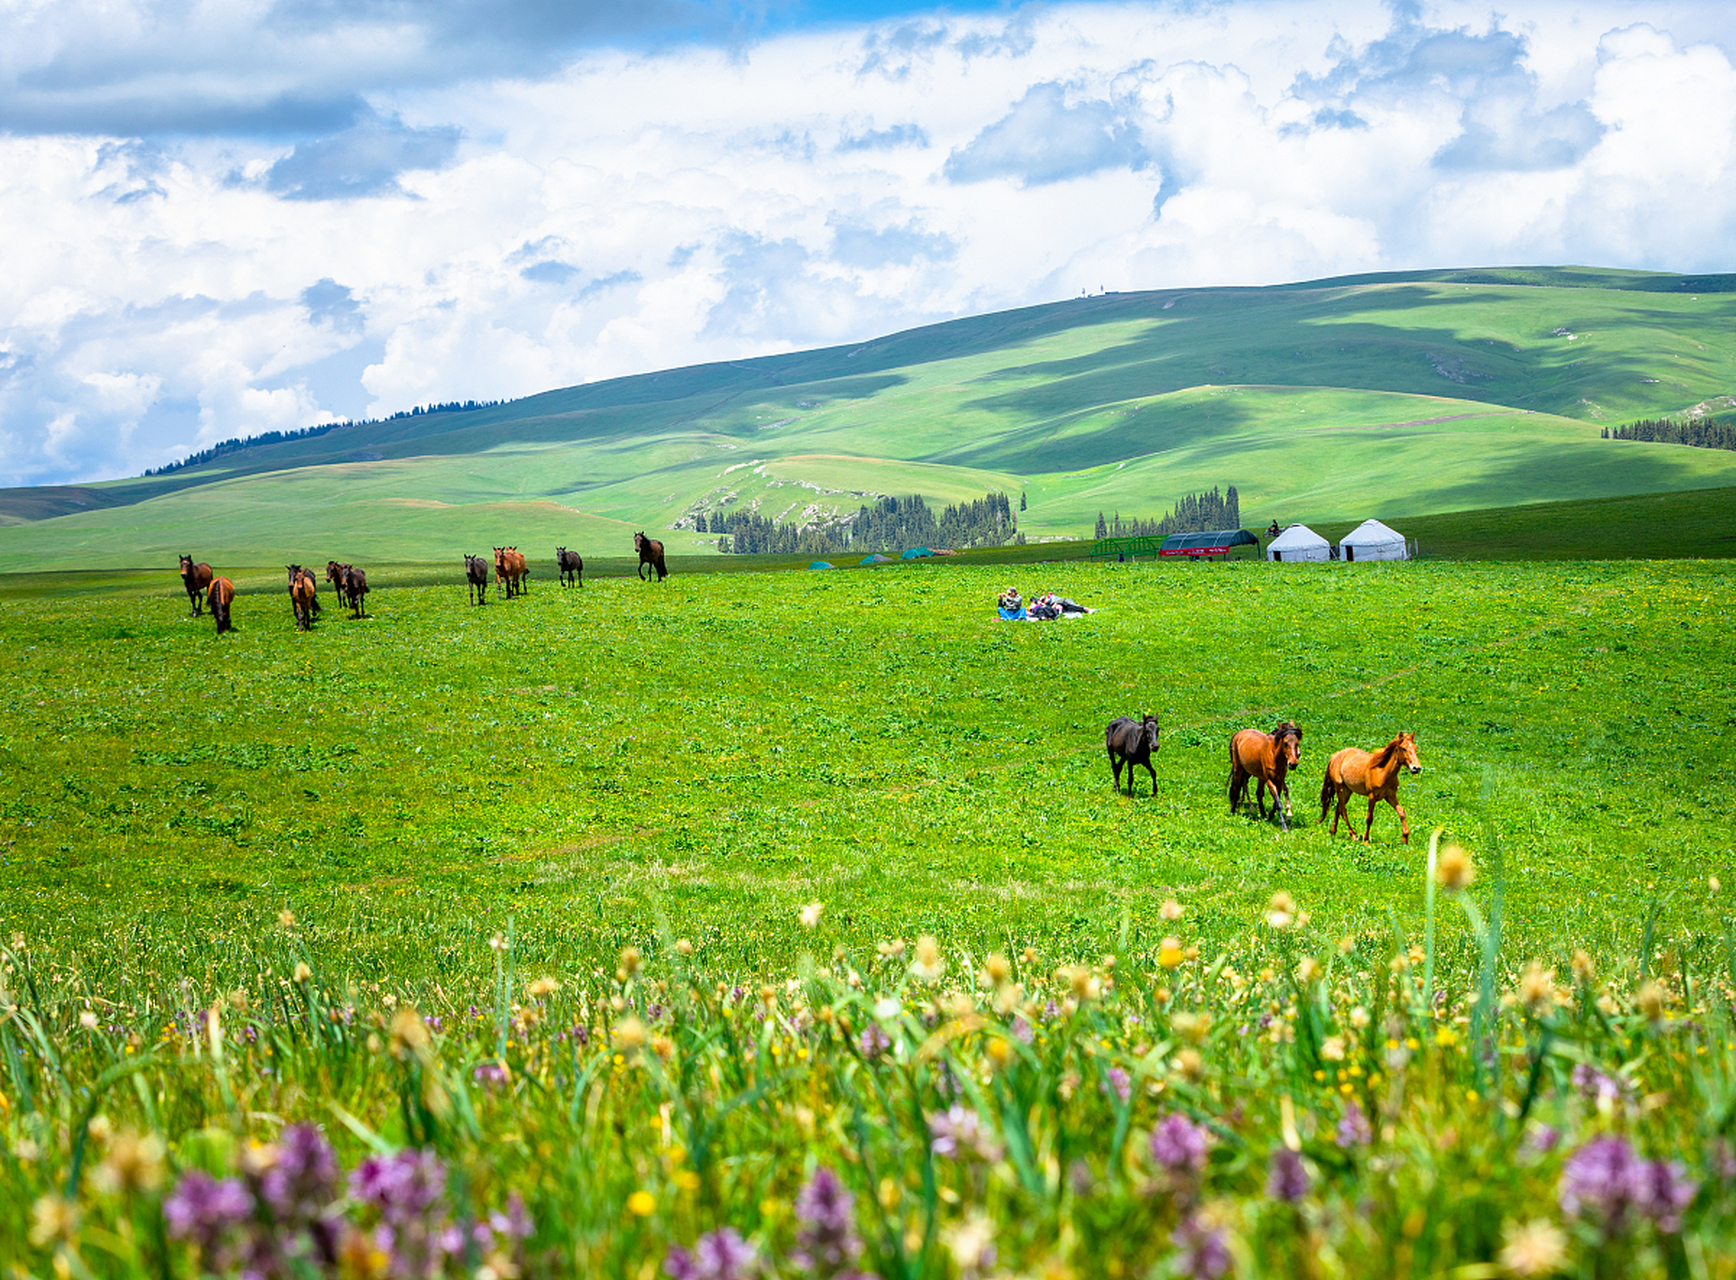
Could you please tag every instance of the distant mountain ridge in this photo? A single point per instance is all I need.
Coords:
(1383, 393)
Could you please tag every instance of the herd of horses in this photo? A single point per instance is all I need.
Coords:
(511, 574)
(1265, 759)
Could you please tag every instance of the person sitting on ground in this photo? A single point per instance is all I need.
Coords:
(1009, 599)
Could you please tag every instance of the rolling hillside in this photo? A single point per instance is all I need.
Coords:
(1336, 399)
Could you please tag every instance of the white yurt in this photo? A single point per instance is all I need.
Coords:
(1372, 540)
(1298, 542)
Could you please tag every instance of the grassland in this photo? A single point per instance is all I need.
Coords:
(519, 890)
(1430, 392)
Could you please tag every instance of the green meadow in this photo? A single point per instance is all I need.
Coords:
(719, 750)
(1398, 395)
(787, 924)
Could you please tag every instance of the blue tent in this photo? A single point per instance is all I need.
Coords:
(819, 564)
(917, 552)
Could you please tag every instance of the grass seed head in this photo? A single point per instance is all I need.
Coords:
(1455, 870)
(1537, 1248)
(1281, 910)
(1584, 969)
(929, 963)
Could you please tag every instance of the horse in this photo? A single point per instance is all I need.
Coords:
(197, 579)
(353, 585)
(507, 571)
(650, 553)
(570, 563)
(222, 594)
(1132, 742)
(1374, 774)
(1268, 758)
(303, 596)
(335, 576)
(519, 570)
(476, 573)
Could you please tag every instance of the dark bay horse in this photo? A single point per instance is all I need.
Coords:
(222, 594)
(1132, 742)
(197, 579)
(650, 553)
(1374, 774)
(353, 587)
(1268, 759)
(570, 563)
(303, 596)
(476, 573)
(335, 576)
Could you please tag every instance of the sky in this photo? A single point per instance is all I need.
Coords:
(222, 217)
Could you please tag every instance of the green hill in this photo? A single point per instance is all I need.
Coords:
(1331, 400)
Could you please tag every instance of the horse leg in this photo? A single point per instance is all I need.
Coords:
(1115, 768)
(1234, 770)
(1403, 822)
(1148, 769)
(1369, 825)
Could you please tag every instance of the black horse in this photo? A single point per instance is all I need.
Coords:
(353, 587)
(476, 572)
(570, 563)
(650, 553)
(1132, 742)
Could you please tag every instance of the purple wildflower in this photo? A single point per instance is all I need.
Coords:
(402, 1187)
(1022, 1031)
(206, 1212)
(873, 1041)
(1286, 1176)
(1354, 1129)
(489, 1074)
(304, 1181)
(1540, 1139)
(959, 1131)
(1118, 1080)
(1606, 1182)
(1665, 1193)
(1204, 1255)
(826, 1243)
(717, 1255)
(1178, 1145)
(1597, 1087)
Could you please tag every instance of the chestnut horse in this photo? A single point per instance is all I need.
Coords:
(476, 573)
(1374, 774)
(222, 594)
(1132, 742)
(1268, 759)
(303, 596)
(570, 563)
(197, 579)
(650, 553)
(510, 570)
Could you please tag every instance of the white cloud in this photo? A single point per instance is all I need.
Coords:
(495, 233)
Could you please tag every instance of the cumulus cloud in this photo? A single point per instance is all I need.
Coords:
(1045, 138)
(209, 229)
(365, 159)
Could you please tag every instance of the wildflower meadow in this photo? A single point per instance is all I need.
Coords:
(773, 927)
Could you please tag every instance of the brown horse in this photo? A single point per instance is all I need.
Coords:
(476, 573)
(502, 575)
(303, 596)
(519, 568)
(1267, 758)
(570, 563)
(197, 579)
(650, 553)
(1374, 774)
(1132, 742)
(222, 594)
(335, 576)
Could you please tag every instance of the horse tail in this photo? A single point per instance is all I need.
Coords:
(1326, 791)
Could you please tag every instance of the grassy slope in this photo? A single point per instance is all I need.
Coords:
(1429, 392)
(722, 748)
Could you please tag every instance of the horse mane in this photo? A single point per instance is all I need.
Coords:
(1386, 753)
(1289, 727)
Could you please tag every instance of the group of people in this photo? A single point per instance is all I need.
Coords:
(1043, 608)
